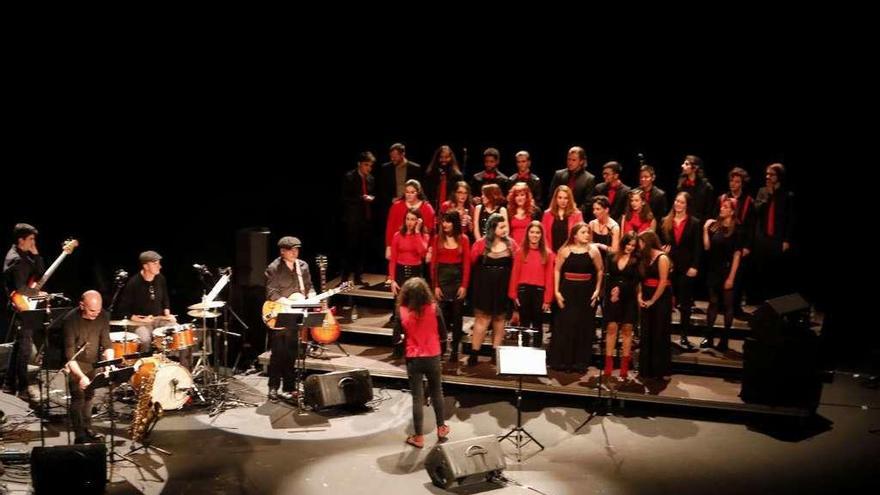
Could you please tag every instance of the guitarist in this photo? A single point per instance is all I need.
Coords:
(286, 276)
(23, 264)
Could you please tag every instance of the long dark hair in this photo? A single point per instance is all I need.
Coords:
(626, 239)
(454, 218)
(491, 223)
(435, 161)
(415, 295)
(652, 242)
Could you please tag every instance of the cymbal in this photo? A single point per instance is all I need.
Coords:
(208, 305)
(125, 323)
(201, 313)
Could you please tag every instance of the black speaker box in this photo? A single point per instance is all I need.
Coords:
(251, 256)
(782, 373)
(340, 388)
(780, 315)
(69, 468)
(465, 461)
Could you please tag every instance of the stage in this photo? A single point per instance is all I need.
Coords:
(273, 449)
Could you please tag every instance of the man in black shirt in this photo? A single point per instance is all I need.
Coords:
(285, 276)
(576, 177)
(358, 189)
(144, 299)
(87, 326)
(22, 264)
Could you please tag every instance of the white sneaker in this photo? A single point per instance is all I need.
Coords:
(33, 391)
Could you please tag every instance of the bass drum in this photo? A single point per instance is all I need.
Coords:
(171, 384)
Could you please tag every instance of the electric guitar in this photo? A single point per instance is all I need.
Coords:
(271, 309)
(22, 302)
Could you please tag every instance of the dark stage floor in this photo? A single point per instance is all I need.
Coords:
(637, 449)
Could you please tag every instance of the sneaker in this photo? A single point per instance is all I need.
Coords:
(443, 432)
(33, 391)
(417, 441)
(273, 394)
(286, 396)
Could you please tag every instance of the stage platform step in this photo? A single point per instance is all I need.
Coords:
(704, 392)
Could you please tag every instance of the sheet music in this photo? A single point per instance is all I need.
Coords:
(217, 288)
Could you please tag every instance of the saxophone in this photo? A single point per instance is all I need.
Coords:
(147, 412)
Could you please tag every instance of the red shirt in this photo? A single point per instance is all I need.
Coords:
(636, 223)
(422, 335)
(519, 227)
(397, 215)
(678, 229)
(407, 250)
(532, 272)
(452, 257)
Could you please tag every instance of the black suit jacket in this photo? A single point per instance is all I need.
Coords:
(584, 183)
(386, 186)
(657, 202)
(685, 254)
(618, 207)
(354, 206)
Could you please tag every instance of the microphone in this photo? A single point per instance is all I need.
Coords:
(201, 268)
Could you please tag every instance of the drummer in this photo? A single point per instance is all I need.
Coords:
(86, 326)
(144, 300)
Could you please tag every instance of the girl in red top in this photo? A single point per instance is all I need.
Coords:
(413, 199)
(531, 282)
(638, 216)
(422, 323)
(409, 246)
(521, 210)
(450, 275)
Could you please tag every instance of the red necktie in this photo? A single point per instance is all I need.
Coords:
(364, 193)
(771, 217)
(571, 182)
(612, 193)
(441, 195)
(647, 197)
(690, 182)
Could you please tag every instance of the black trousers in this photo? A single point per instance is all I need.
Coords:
(531, 298)
(80, 402)
(417, 369)
(282, 361)
(16, 370)
(453, 308)
(683, 289)
(357, 239)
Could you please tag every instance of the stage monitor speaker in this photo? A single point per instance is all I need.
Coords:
(782, 372)
(69, 468)
(251, 256)
(779, 317)
(339, 388)
(465, 461)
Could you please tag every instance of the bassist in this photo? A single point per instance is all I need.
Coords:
(23, 264)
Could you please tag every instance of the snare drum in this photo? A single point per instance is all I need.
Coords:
(176, 336)
(124, 343)
(171, 383)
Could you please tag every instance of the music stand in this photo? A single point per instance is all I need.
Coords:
(520, 361)
(294, 321)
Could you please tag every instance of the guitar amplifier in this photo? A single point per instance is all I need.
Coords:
(340, 388)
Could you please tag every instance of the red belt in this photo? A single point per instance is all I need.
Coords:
(653, 282)
(578, 277)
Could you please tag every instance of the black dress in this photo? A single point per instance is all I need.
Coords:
(626, 308)
(559, 232)
(655, 353)
(575, 325)
(491, 277)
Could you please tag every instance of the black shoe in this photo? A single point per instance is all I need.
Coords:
(453, 356)
(93, 437)
(722, 346)
(359, 282)
(684, 342)
(273, 394)
(472, 359)
(706, 343)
